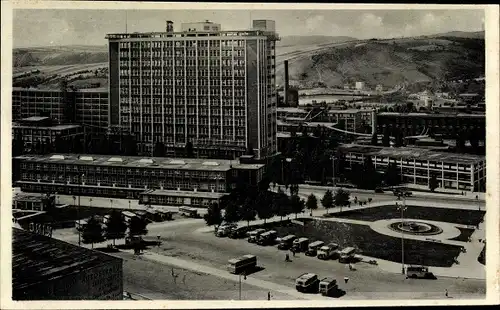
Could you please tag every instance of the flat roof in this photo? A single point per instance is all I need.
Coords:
(28, 196)
(437, 115)
(38, 259)
(413, 153)
(55, 127)
(35, 118)
(291, 110)
(185, 194)
(138, 162)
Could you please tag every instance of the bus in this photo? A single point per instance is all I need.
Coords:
(188, 212)
(286, 242)
(307, 283)
(242, 264)
(313, 248)
(347, 254)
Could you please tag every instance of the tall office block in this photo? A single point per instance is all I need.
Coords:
(213, 88)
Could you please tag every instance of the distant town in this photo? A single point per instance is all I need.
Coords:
(231, 179)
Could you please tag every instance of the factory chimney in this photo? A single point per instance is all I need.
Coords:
(374, 121)
(286, 83)
(170, 26)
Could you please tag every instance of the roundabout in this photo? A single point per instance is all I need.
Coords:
(416, 228)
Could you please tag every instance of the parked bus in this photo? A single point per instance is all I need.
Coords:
(269, 237)
(313, 248)
(327, 286)
(347, 254)
(286, 242)
(307, 283)
(242, 264)
(327, 251)
(188, 212)
(254, 235)
(237, 233)
(418, 272)
(300, 245)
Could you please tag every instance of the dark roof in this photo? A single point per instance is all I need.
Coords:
(37, 259)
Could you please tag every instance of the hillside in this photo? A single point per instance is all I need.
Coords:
(387, 62)
(311, 40)
(328, 60)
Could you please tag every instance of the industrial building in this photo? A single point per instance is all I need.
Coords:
(38, 129)
(32, 201)
(447, 125)
(452, 170)
(86, 107)
(213, 88)
(112, 176)
(49, 269)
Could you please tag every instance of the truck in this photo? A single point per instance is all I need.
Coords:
(313, 248)
(307, 283)
(267, 238)
(419, 272)
(300, 245)
(327, 251)
(327, 286)
(347, 255)
(254, 235)
(286, 242)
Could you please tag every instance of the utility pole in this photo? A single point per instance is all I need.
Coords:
(79, 205)
(402, 209)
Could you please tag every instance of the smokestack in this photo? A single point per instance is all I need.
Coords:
(286, 83)
(170, 26)
(374, 122)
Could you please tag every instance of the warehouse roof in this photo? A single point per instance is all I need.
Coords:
(413, 153)
(139, 162)
(38, 259)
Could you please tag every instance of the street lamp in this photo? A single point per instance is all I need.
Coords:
(333, 170)
(79, 205)
(244, 278)
(288, 160)
(402, 209)
(90, 202)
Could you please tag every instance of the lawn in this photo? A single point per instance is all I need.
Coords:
(373, 244)
(458, 216)
(465, 234)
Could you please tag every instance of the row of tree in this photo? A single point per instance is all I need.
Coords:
(115, 228)
(269, 204)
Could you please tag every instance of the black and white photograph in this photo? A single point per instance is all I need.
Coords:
(269, 153)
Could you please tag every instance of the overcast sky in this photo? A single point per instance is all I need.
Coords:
(89, 27)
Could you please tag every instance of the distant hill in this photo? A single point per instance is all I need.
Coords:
(311, 40)
(388, 62)
(460, 34)
(57, 56)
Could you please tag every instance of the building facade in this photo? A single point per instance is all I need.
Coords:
(38, 130)
(32, 201)
(213, 88)
(96, 175)
(49, 269)
(452, 170)
(88, 108)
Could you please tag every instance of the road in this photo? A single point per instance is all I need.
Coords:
(183, 240)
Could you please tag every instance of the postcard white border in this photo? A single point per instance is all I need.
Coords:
(493, 175)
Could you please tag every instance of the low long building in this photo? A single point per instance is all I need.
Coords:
(127, 177)
(453, 171)
(49, 269)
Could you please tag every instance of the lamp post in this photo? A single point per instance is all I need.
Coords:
(478, 205)
(90, 202)
(129, 204)
(244, 278)
(333, 171)
(402, 209)
(79, 205)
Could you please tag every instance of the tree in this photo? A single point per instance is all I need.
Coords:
(281, 205)
(137, 226)
(312, 202)
(213, 215)
(116, 226)
(130, 146)
(386, 139)
(232, 212)
(189, 150)
(341, 198)
(433, 183)
(264, 211)
(392, 175)
(159, 149)
(297, 205)
(92, 232)
(327, 200)
(248, 212)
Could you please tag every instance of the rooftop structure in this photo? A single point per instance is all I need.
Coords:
(39, 262)
(413, 153)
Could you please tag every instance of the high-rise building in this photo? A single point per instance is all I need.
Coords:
(213, 88)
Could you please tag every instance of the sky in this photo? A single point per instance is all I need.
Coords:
(50, 27)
